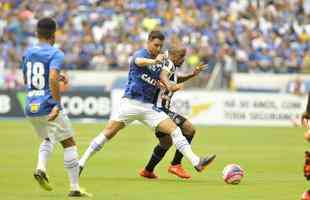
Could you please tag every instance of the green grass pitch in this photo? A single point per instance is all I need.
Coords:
(272, 159)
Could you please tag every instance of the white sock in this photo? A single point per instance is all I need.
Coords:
(72, 165)
(45, 151)
(95, 145)
(184, 147)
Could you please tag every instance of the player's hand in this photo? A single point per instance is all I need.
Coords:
(176, 87)
(307, 165)
(305, 119)
(161, 85)
(53, 114)
(63, 78)
(160, 58)
(199, 68)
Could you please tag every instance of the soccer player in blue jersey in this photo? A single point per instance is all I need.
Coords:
(41, 66)
(176, 58)
(145, 69)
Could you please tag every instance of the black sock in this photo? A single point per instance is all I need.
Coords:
(158, 153)
(178, 155)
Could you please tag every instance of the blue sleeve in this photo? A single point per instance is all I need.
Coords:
(57, 61)
(140, 54)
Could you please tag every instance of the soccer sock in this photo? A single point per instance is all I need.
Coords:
(158, 153)
(95, 145)
(178, 155)
(45, 151)
(184, 147)
(72, 165)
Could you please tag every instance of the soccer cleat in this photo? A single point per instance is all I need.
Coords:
(147, 174)
(79, 193)
(204, 162)
(179, 171)
(80, 170)
(42, 179)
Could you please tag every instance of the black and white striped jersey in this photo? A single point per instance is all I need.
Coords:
(164, 96)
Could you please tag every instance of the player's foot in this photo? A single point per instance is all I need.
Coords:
(80, 169)
(147, 174)
(42, 179)
(179, 171)
(79, 193)
(204, 162)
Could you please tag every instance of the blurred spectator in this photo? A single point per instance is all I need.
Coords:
(297, 86)
(262, 36)
(12, 81)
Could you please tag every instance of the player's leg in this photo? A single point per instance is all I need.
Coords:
(61, 131)
(44, 153)
(112, 128)
(125, 115)
(159, 152)
(188, 131)
(168, 126)
(72, 165)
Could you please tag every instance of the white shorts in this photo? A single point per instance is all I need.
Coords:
(130, 110)
(57, 130)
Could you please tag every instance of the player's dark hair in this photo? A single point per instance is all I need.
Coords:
(156, 35)
(46, 27)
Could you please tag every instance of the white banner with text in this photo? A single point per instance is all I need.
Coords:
(233, 108)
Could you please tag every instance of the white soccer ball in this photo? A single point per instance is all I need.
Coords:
(233, 174)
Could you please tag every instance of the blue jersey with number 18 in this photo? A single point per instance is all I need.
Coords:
(36, 64)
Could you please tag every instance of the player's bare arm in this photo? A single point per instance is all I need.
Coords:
(195, 72)
(164, 79)
(143, 62)
(54, 85)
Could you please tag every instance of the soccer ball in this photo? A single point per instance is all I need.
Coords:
(232, 174)
(306, 195)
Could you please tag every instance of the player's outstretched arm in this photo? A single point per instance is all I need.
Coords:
(164, 80)
(195, 72)
(54, 86)
(142, 62)
(306, 115)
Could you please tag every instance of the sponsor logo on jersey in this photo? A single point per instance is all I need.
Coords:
(148, 79)
(34, 107)
(36, 93)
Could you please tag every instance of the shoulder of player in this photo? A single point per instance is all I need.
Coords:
(140, 52)
(57, 53)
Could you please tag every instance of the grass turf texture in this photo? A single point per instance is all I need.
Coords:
(272, 159)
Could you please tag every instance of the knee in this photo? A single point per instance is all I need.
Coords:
(188, 129)
(167, 126)
(165, 142)
(307, 136)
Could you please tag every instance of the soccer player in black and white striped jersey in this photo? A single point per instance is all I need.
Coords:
(175, 59)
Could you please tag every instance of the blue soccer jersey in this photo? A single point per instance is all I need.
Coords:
(36, 64)
(142, 81)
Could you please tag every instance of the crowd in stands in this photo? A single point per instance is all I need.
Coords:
(252, 36)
